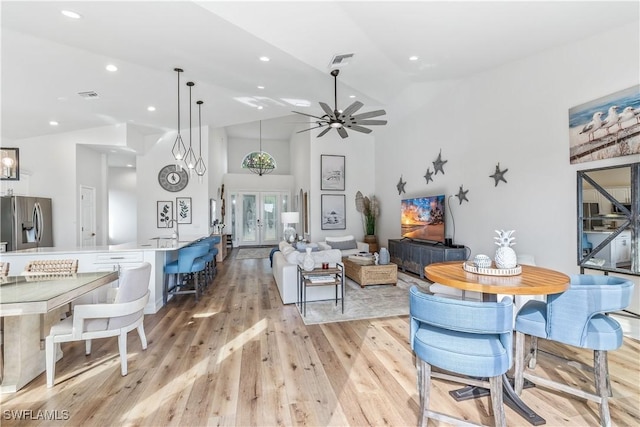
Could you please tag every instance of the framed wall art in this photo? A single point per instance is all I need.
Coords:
(183, 211)
(9, 164)
(164, 213)
(333, 212)
(332, 170)
(605, 127)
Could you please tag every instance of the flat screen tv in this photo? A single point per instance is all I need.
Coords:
(422, 218)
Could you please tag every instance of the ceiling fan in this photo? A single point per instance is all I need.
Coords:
(343, 120)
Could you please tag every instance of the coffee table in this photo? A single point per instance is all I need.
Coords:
(366, 274)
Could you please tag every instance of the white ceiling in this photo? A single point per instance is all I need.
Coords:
(48, 58)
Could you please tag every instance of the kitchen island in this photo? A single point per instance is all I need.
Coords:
(156, 251)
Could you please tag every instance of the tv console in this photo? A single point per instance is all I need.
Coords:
(414, 256)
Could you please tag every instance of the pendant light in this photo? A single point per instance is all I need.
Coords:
(260, 163)
(200, 166)
(179, 150)
(190, 158)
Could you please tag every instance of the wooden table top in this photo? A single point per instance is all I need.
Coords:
(532, 281)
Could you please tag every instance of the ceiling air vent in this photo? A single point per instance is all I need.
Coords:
(88, 94)
(341, 60)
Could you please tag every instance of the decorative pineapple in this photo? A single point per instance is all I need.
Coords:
(505, 256)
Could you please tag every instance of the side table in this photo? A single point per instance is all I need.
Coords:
(333, 276)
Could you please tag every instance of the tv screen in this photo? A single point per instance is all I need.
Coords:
(422, 218)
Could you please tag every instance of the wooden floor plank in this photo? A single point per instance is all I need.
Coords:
(239, 357)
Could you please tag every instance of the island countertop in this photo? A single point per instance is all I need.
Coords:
(153, 244)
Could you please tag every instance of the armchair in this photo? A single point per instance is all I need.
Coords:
(91, 321)
(575, 317)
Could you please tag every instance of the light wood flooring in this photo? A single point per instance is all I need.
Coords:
(239, 357)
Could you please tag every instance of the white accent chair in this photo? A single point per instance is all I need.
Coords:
(91, 321)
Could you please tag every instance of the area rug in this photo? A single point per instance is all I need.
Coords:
(365, 303)
(253, 253)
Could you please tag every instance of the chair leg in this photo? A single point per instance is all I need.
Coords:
(495, 385)
(518, 383)
(534, 352)
(424, 388)
(122, 346)
(50, 360)
(143, 337)
(601, 376)
(606, 368)
(87, 347)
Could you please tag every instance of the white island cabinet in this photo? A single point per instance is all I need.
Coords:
(156, 252)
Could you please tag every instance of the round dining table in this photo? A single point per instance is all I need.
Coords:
(532, 280)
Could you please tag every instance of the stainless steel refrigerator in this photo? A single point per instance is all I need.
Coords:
(25, 222)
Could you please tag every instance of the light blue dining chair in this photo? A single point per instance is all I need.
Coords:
(189, 265)
(466, 338)
(576, 317)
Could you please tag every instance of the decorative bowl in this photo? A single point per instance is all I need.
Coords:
(482, 261)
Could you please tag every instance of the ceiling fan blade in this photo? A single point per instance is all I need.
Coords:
(309, 115)
(359, 129)
(369, 114)
(315, 127)
(370, 122)
(323, 132)
(351, 109)
(327, 109)
(343, 133)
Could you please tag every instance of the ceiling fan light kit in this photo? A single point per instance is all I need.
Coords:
(342, 120)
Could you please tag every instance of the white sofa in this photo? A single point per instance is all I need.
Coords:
(346, 244)
(285, 271)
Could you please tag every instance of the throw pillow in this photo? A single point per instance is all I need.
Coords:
(343, 245)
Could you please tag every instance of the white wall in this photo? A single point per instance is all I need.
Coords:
(515, 115)
(122, 205)
(91, 172)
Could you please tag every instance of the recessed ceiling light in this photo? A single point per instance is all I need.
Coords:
(111, 68)
(264, 59)
(129, 165)
(71, 14)
(260, 87)
(53, 123)
(352, 96)
(259, 107)
(151, 108)
(413, 58)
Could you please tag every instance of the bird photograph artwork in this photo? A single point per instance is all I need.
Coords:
(341, 120)
(605, 127)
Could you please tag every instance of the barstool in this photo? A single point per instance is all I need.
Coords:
(189, 264)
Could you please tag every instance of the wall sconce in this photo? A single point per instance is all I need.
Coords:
(9, 164)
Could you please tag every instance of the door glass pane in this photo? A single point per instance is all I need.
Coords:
(249, 223)
(269, 216)
(233, 217)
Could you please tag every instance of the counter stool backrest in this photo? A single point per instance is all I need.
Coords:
(188, 254)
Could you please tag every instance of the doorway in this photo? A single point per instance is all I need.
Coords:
(256, 217)
(88, 216)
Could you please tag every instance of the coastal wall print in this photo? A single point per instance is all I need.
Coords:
(333, 212)
(605, 127)
(332, 172)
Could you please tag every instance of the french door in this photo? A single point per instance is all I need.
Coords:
(258, 218)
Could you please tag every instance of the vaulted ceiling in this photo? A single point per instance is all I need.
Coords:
(48, 58)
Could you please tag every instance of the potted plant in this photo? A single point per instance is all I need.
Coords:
(369, 209)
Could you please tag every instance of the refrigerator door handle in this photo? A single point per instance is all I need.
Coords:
(37, 219)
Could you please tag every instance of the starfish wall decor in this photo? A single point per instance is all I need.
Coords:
(400, 186)
(462, 195)
(439, 163)
(498, 175)
(428, 175)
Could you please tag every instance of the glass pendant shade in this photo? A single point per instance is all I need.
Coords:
(259, 162)
(179, 149)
